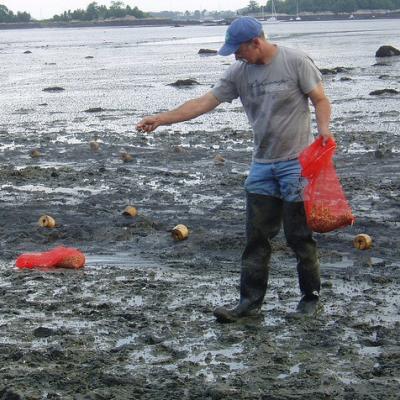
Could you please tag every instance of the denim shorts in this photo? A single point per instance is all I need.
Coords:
(280, 179)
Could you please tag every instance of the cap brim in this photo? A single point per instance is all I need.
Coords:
(228, 49)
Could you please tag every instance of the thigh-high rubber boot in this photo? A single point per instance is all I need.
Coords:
(263, 221)
(299, 238)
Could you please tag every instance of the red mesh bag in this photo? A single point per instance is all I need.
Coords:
(325, 203)
(60, 257)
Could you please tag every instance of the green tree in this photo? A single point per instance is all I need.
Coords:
(6, 15)
(23, 16)
(253, 6)
(92, 11)
(78, 14)
(117, 9)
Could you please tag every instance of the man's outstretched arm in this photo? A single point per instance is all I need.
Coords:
(189, 110)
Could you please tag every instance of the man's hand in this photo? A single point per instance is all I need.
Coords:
(326, 135)
(148, 124)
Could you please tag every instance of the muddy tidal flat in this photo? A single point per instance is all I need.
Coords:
(137, 322)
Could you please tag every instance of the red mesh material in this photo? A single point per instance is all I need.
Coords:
(60, 257)
(325, 203)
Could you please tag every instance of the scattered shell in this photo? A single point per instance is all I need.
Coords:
(94, 146)
(362, 242)
(126, 157)
(180, 232)
(45, 221)
(179, 149)
(35, 153)
(219, 160)
(130, 211)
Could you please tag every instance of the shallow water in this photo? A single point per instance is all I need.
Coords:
(133, 66)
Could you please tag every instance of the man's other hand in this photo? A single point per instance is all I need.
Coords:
(148, 124)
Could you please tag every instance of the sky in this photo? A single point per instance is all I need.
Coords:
(41, 9)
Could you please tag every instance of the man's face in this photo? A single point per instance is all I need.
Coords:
(247, 52)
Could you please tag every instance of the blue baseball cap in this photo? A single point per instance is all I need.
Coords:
(241, 30)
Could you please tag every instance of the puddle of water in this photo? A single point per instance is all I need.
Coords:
(41, 188)
(370, 351)
(126, 340)
(295, 369)
(119, 260)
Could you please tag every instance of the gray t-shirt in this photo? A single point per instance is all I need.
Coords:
(275, 101)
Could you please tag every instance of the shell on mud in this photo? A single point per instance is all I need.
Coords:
(180, 232)
(179, 149)
(362, 242)
(126, 157)
(130, 211)
(35, 153)
(219, 160)
(94, 146)
(45, 221)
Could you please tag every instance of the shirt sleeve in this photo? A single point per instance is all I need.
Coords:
(225, 89)
(308, 74)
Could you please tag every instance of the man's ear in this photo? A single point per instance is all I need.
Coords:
(256, 42)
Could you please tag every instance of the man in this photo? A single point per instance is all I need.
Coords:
(274, 85)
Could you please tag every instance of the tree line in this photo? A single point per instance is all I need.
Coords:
(7, 15)
(320, 6)
(119, 10)
(97, 12)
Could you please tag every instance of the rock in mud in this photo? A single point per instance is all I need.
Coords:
(207, 52)
(53, 89)
(383, 151)
(9, 394)
(43, 332)
(184, 82)
(383, 91)
(387, 51)
(381, 64)
(94, 110)
(334, 71)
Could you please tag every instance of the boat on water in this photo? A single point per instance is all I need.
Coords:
(274, 17)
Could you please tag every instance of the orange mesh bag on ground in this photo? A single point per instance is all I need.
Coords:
(325, 203)
(60, 257)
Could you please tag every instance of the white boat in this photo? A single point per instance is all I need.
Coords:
(298, 18)
(274, 17)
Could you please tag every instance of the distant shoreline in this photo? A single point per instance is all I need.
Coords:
(178, 23)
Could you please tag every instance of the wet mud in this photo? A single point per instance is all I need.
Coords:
(137, 322)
